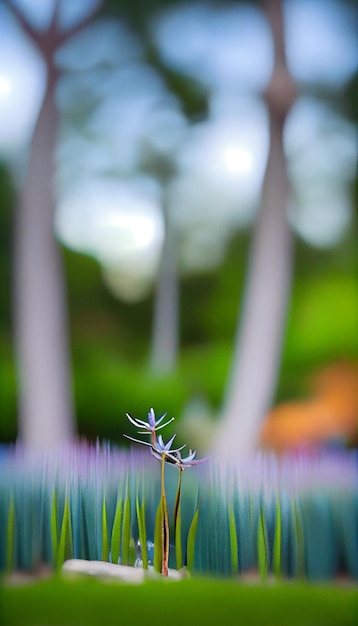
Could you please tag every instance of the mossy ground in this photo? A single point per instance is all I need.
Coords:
(195, 601)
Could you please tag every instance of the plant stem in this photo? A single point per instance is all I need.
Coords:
(177, 524)
(177, 499)
(165, 525)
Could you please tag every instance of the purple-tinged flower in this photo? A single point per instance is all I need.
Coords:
(160, 449)
(144, 443)
(150, 427)
(188, 461)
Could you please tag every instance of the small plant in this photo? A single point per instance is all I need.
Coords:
(164, 453)
(291, 517)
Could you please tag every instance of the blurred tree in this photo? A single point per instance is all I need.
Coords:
(193, 100)
(165, 325)
(257, 355)
(41, 336)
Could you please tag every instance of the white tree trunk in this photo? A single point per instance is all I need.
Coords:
(41, 337)
(165, 328)
(258, 345)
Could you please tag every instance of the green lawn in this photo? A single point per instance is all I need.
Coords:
(194, 602)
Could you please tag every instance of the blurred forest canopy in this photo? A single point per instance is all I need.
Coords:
(110, 337)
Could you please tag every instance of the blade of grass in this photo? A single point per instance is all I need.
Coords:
(190, 549)
(157, 559)
(54, 528)
(116, 532)
(262, 546)
(65, 548)
(298, 541)
(126, 531)
(10, 537)
(233, 539)
(178, 541)
(105, 544)
(165, 522)
(140, 508)
(277, 541)
(177, 525)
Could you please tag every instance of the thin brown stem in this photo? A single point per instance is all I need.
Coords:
(165, 525)
(177, 499)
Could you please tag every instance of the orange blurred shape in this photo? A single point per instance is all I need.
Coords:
(331, 413)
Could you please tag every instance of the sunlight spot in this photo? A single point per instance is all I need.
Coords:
(237, 160)
(5, 86)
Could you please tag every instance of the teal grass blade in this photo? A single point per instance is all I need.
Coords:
(233, 539)
(298, 541)
(157, 560)
(140, 509)
(126, 535)
(54, 527)
(105, 542)
(10, 536)
(65, 545)
(277, 568)
(262, 546)
(190, 549)
(319, 532)
(178, 525)
(117, 532)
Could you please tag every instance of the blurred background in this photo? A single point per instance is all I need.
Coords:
(161, 145)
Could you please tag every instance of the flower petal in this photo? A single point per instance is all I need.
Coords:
(166, 423)
(144, 443)
(151, 419)
(137, 422)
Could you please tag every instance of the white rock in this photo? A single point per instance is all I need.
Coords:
(102, 569)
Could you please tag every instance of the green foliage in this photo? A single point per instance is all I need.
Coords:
(158, 549)
(277, 569)
(262, 547)
(10, 537)
(105, 543)
(298, 540)
(178, 525)
(54, 528)
(65, 545)
(207, 601)
(126, 545)
(102, 505)
(140, 509)
(190, 549)
(116, 532)
(233, 539)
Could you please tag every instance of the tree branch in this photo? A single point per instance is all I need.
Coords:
(34, 35)
(71, 32)
(54, 22)
(274, 13)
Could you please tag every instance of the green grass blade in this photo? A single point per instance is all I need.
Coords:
(178, 542)
(262, 546)
(126, 531)
(116, 532)
(132, 552)
(65, 547)
(299, 540)
(10, 537)
(177, 524)
(157, 559)
(54, 528)
(233, 540)
(277, 541)
(190, 549)
(140, 508)
(105, 543)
